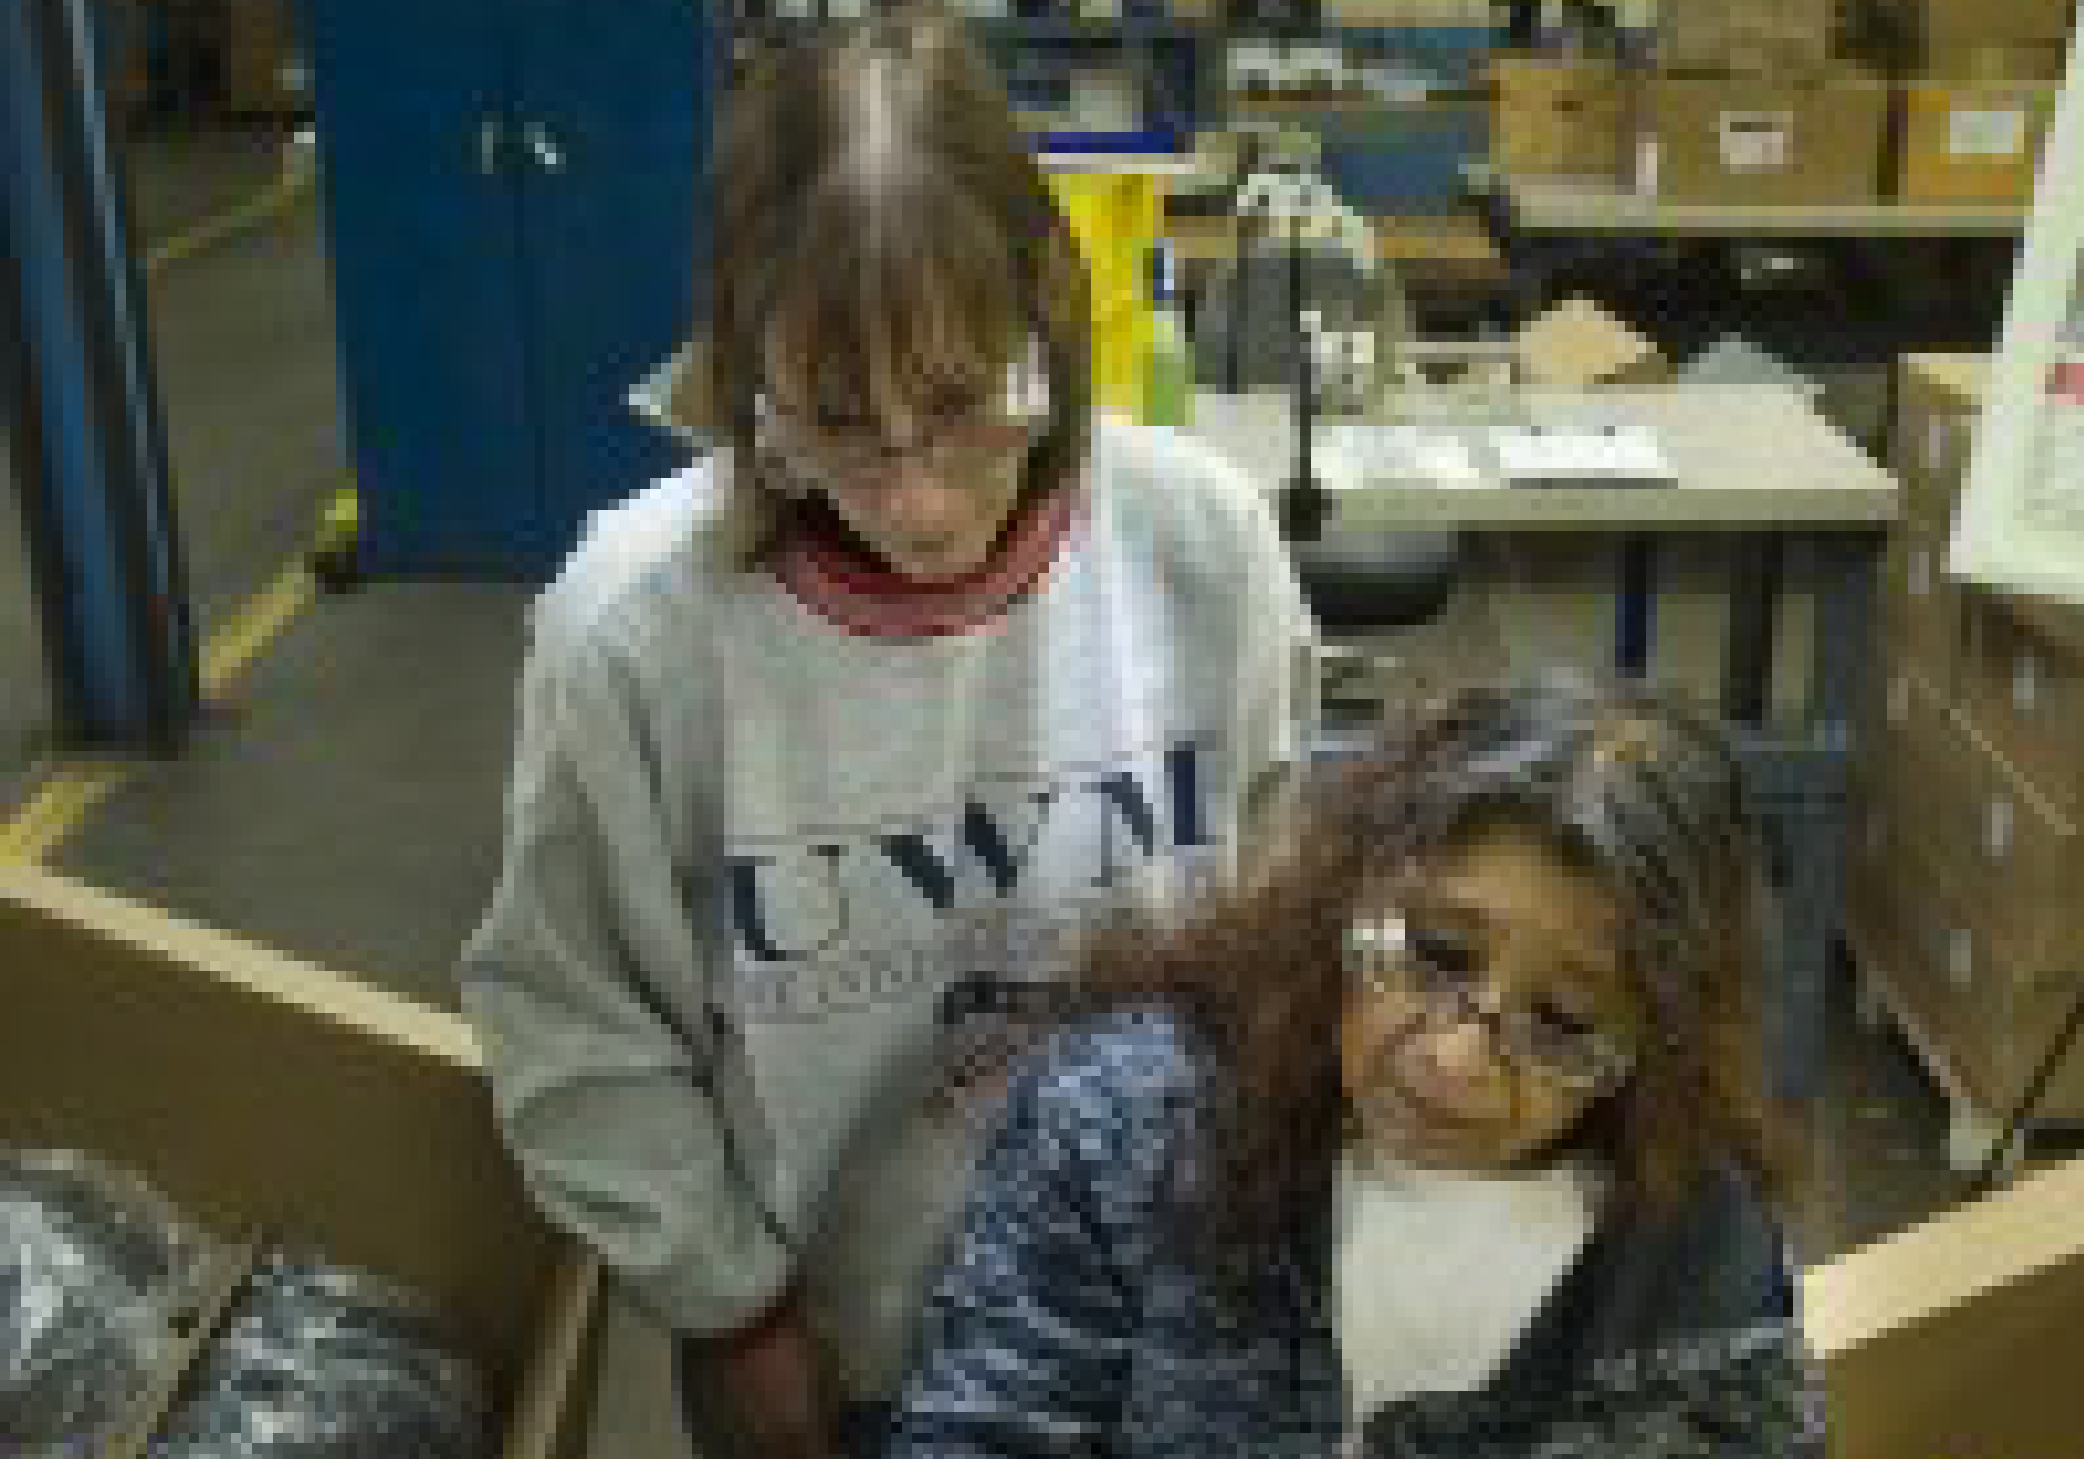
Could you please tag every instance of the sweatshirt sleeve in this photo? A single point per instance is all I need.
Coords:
(1277, 682)
(569, 981)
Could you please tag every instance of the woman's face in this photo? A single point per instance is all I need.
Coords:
(927, 484)
(1498, 1018)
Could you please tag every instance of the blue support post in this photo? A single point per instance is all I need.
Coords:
(78, 397)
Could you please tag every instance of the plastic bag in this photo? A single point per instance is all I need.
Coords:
(319, 1362)
(96, 1272)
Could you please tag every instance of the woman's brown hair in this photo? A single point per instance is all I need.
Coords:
(882, 224)
(1633, 789)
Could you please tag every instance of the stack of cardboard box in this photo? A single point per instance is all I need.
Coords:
(1751, 104)
(1978, 94)
(1967, 895)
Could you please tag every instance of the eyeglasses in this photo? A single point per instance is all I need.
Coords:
(965, 436)
(1390, 960)
(851, 460)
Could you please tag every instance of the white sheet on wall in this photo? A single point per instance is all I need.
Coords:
(2021, 523)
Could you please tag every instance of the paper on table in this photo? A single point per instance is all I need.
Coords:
(2021, 523)
(1621, 457)
(1356, 456)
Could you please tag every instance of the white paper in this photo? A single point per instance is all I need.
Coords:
(1983, 133)
(2021, 523)
(1589, 458)
(1357, 456)
(1757, 141)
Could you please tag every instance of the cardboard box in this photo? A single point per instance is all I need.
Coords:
(1553, 117)
(1922, 608)
(1964, 896)
(1968, 38)
(1760, 141)
(1579, 344)
(2022, 689)
(1939, 398)
(1959, 1336)
(1753, 37)
(1973, 141)
(261, 1093)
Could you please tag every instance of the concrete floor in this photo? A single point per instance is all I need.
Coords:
(344, 804)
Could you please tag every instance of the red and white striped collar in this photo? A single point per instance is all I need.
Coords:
(837, 579)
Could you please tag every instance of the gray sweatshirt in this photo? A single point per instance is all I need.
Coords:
(746, 985)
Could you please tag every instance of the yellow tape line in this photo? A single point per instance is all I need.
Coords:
(272, 200)
(71, 792)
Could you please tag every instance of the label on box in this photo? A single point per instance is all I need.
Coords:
(2026, 682)
(1649, 160)
(1997, 827)
(1939, 444)
(1961, 957)
(1757, 141)
(1980, 132)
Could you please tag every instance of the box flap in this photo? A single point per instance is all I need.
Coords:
(1958, 1336)
(255, 1090)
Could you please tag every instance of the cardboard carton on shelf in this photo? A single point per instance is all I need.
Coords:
(1974, 38)
(1579, 344)
(263, 1094)
(1755, 37)
(1973, 141)
(1556, 117)
(1714, 138)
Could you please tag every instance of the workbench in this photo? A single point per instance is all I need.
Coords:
(1598, 205)
(1798, 503)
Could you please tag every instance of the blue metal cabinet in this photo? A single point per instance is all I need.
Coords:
(512, 192)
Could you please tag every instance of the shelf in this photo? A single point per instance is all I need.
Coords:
(1572, 205)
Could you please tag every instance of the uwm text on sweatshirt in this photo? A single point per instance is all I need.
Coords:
(776, 896)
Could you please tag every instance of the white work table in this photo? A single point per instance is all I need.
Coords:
(1744, 457)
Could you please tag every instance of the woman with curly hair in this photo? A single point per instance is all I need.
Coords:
(1462, 1098)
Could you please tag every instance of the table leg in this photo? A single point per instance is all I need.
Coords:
(1635, 604)
(1756, 580)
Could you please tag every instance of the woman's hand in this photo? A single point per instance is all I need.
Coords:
(775, 1377)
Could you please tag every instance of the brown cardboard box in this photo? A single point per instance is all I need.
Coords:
(1723, 139)
(1755, 37)
(1966, 38)
(1579, 344)
(2022, 689)
(1959, 1336)
(261, 1093)
(1939, 398)
(1964, 896)
(1922, 612)
(1553, 117)
(1973, 141)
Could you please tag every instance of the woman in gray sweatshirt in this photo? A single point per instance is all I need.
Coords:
(833, 745)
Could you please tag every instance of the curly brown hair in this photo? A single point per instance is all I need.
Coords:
(1634, 789)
